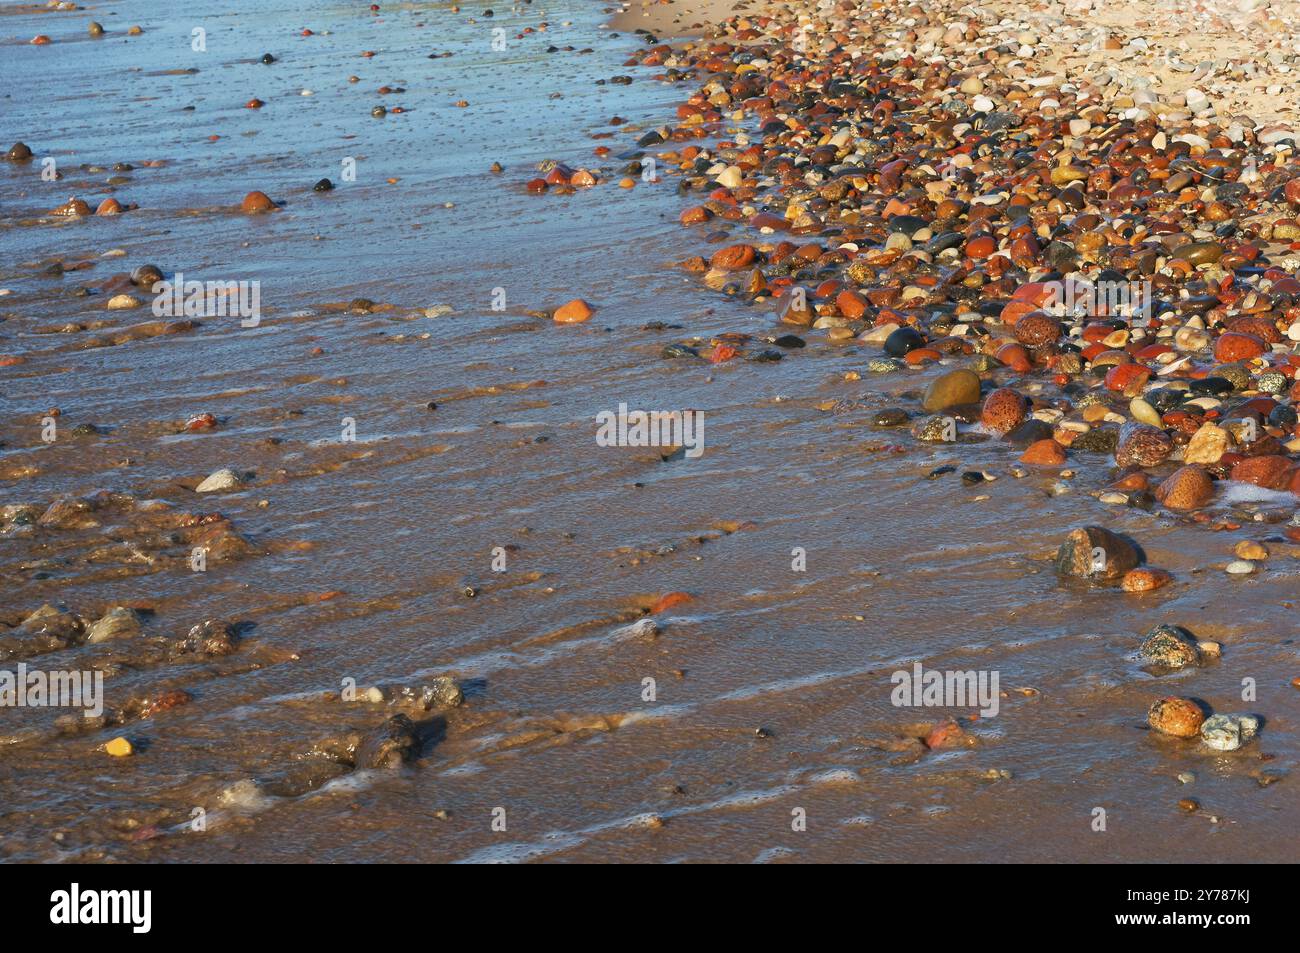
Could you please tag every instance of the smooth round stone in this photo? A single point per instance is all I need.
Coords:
(1240, 567)
(1027, 433)
(884, 365)
(1200, 253)
(961, 386)
(908, 225)
(902, 341)
(1144, 412)
(943, 241)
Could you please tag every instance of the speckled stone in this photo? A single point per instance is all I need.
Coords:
(1171, 646)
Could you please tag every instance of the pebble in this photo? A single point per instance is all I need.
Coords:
(118, 622)
(573, 312)
(220, 481)
(1240, 567)
(1004, 409)
(1187, 488)
(1248, 549)
(1145, 580)
(957, 387)
(1208, 444)
(1171, 646)
(1044, 453)
(1179, 717)
(119, 747)
(255, 203)
(1228, 732)
(1095, 553)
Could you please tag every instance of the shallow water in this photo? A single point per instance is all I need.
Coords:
(555, 736)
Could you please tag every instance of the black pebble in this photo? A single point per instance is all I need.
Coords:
(900, 342)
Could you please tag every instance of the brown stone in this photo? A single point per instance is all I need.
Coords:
(1272, 472)
(1044, 453)
(1004, 409)
(574, 312)
(1188, 488)
(733, 258)
(1036, 329)
(1180, 717)
(255, 203)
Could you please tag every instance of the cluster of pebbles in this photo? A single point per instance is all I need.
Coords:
(1097, 274)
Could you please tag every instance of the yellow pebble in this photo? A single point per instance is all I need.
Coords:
(119, 748)
(1249, 549)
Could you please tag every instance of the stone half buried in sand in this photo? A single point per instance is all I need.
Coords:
(1096, 554)
(1044, 453)
(573, 312)
(220, 482)
(255, 203)
(118, 622)
(1146, 579)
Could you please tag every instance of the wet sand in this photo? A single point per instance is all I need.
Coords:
(372, 560)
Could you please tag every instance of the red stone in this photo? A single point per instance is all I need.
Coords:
(256, 202)
(574, 312)
(1272, 471)
(1015, 357)
(1044, 453)
(851, 304)
(733, 258)
(1128, 378)
(1003, 409)
(1235, 346)
(668, 600)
